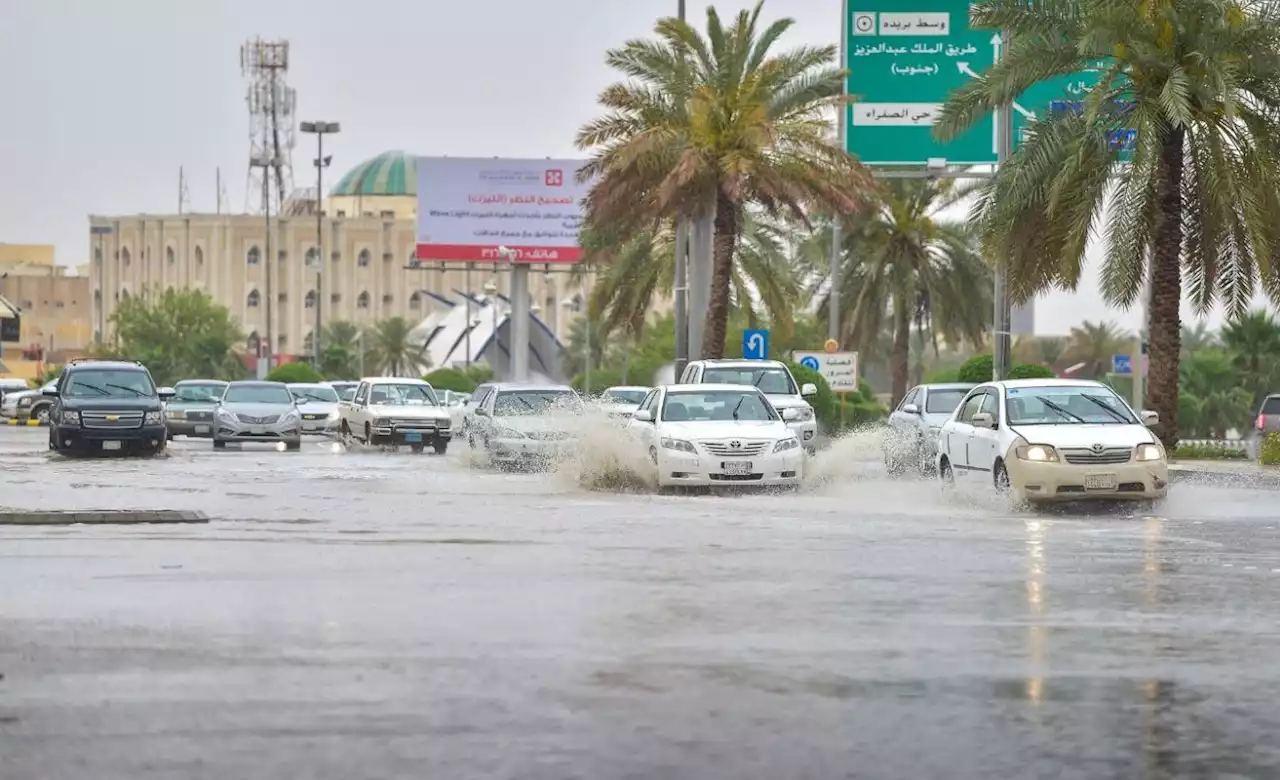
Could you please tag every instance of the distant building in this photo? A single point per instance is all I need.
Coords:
(53, 303)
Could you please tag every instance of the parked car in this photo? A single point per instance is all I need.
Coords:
(320, 407)
(1267, 423)
(1045, 440)
(107, 406)
(191, 410)
(912, 438)
(773, 378)
(258, 411)
(394, 411)
(28, 404)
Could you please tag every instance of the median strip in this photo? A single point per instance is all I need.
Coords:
(26, 423)
(107, 517)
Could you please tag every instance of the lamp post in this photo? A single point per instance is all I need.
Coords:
(319, 129)
(519, 314)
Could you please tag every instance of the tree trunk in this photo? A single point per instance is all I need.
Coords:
(899, 359)
(1166, 293)
(727, 225)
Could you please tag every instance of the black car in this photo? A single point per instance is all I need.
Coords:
(107, 406)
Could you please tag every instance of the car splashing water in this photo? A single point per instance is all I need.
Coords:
(607, 457)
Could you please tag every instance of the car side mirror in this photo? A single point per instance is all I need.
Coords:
(482, 412)
(165, 393)
(50, 392)
(790, 414)
(644, 415)
(809, 389)
(1150, 419)
(983, 420)
(301, 401)
(911, 409)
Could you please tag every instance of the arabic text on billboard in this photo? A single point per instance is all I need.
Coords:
(468, 208)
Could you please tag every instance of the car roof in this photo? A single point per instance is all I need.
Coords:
(394, 380)
(110, 365)
(740, 362)
(949, 386)
(708, 387)
(201, 382)
(1016, 383)
(256, 383)
(628, 387)
(509, 386)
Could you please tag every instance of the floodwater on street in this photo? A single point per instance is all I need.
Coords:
(353, 615)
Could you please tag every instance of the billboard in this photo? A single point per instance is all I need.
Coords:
(468, 207)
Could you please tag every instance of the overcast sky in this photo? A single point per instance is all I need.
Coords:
(104, 100)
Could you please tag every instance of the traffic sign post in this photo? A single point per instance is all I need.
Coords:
(755, 344)
(1122, 365)
(840, 369)
(905, 57)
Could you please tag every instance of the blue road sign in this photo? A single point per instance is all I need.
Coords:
(1122, 365)
(755, 344)
(811, 362)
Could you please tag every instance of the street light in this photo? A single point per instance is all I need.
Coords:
(319, 129)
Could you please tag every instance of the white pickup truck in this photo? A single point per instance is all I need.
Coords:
(774, 379)
(394, 411)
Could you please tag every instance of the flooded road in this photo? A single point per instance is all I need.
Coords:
(353, 615)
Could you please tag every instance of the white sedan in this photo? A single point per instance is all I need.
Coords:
(1048, 440)
(717, 435)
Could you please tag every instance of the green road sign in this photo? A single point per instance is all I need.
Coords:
(904, 58)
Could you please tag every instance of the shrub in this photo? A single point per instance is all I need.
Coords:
(1269, 450)
(1031, 371)
(600, 379)
(1211, 452)
(294, 372)
(943, 377)
(451, 379)
(859, 408)
(976, 369)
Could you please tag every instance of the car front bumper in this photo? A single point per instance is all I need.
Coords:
(187, 425)
(806, 431)
(325, 426)
(676, 467)
(511, 450)
(228, 430)
(410, 434)
(1047, 482)
(74, 437)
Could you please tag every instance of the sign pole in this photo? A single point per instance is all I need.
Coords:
(1001, 347)
(833, 273)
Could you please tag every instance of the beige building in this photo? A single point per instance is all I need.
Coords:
(54, 301)
(368, 240)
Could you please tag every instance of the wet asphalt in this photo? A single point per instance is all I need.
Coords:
(353, 615)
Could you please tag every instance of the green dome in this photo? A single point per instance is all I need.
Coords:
(390, 173)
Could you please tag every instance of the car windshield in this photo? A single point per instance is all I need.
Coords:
(322, 393)
(943, 401)
(1084, 405)
(529, 402)
(347, 394)
(257, 394)
(623, 396)
(402, 395)
(774, 381)
(717, 405)
(1271, 405)
(108, 383)
(206, 392)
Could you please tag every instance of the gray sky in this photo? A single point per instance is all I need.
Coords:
(103, 101)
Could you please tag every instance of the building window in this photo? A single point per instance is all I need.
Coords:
(60, 305)
(254, 257)
(387, 214)
(168, 255)
(362, 302)
(335, 255)
(341, 213)
(97, 255)
(335, 298)
(306, 344)
(313, 257)
(281, 340)
(387, 300)
(125, 259)
(282, 255)
(310, 300)
(283, 297)
(364, 258)
(415, 301)
(199, 256)
(253, 300)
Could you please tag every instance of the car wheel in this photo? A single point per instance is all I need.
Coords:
(417, 448)
(1000, 476)
(945, 475)
(293, 446)
(440, 447)
(42, 415)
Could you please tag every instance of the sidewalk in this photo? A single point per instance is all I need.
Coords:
(1225, 473)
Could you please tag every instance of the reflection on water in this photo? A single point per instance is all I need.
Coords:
(1037, 644)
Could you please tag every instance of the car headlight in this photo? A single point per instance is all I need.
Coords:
(151, 418)
(70, 418)
(1040, 453)
(786, 444)
(293, 414)
(176, 414)
(678, 444)
(382, 422)
(223, 414)
(1149, 452)
(332, 415)
(508, 433)
(804, 414)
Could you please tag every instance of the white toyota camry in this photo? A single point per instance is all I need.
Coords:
(717, 435)
(1053, 440)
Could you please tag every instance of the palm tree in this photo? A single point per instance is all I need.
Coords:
(1253, 340)
(1211, 391)
(1040, 350)
(1197, 338)
(1196, 81)
(389, 348)
(340, 348)
(1095, 344)
(706, 125)
(904, 265)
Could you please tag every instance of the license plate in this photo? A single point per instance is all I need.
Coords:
(111, 445)
(736, 467)
(202, 429)
(413, 437)
(1100, 482)
(257, 430)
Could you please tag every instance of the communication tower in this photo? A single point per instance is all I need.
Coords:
(272, 125)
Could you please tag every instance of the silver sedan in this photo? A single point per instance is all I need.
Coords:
(319, 408)
(255, 411)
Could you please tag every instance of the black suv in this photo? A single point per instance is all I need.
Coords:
(107, 406)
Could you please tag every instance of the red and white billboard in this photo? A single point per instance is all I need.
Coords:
(469, 207)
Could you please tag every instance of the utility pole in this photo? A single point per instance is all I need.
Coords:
(1001, 316)
(682, 274)
(833, 271)
(322, 162)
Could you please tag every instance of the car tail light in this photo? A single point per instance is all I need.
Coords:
(1262, 419)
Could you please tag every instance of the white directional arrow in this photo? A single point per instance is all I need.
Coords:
(966, 70)
(755, 345)
(1025, 113)
(996, 43)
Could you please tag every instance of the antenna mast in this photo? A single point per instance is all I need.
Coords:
(272, 127)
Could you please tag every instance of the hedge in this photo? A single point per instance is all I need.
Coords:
(294, 372)
(1031, 371)
(980, 368)
(1269, 450)
(450, 379)
(859, 408)
(1208, 452)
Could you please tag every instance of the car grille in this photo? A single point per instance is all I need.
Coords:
(409, 422)
(314, 416)
(200, 416)
(726, 449)
(111, 419)
(548, 435)
(251, 420)
(1106, 457)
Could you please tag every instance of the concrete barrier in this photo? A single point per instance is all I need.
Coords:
(104, 517)
(26, 423)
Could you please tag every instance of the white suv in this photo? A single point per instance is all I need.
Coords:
(774, 379)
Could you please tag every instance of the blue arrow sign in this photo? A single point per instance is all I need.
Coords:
(810, 362)
(1121, 365)
(755, 344)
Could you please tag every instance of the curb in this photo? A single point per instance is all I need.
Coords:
(1220, 478)
(110, 517)
(26, 423)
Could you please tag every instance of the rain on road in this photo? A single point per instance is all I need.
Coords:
(379, 615)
